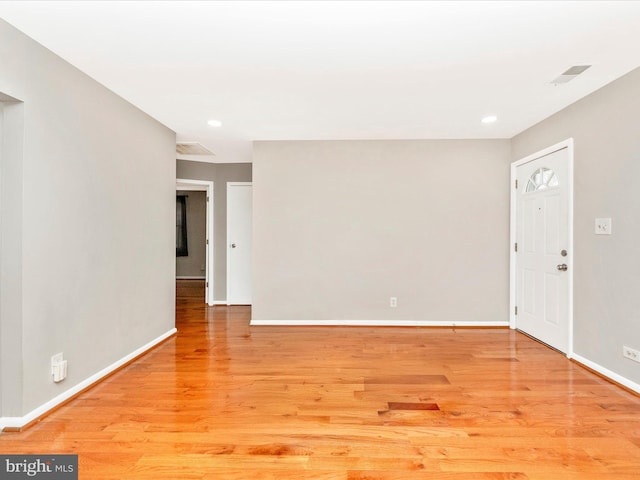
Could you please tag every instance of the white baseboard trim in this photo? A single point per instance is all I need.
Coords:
(187, 277)
(607, 373)
(377, 323)
(219, 302)
(20, 422)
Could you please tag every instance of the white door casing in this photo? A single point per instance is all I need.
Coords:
(206, 186)
(239, 243)
(542, 246)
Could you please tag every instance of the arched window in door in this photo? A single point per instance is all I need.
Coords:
(542, 179)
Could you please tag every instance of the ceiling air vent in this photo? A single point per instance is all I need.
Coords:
(570, 74)
(192, 148)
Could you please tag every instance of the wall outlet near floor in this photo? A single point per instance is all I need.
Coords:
(631, 353)
(56, 359)
(58, 367)
(393, 302)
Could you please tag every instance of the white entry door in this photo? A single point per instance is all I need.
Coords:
(542, 248)
(239, 212)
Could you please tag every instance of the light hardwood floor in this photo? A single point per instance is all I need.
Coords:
(223, 400)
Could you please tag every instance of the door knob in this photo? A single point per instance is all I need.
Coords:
(563, 267)
(233, 245)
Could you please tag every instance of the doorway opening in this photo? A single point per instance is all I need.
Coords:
(187, 185)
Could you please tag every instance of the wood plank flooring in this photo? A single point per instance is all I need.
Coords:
(223, 400)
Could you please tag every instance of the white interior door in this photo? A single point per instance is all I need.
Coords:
(239, 212)
(543, 249)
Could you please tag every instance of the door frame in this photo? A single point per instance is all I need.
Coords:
(568, 144)
(206, 186)
(231, 184)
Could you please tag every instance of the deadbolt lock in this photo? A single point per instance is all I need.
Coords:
(563, 253)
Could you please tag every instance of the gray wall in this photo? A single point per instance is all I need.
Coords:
(341, 226)
(605, 129)
(219, 174)
(193, 265)
(11, 207)
(11, 153)
(74, 250)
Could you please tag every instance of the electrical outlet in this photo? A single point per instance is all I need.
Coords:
(58, 367)
(603, 226)
(57, 359)
(393, 302)
(631, 354)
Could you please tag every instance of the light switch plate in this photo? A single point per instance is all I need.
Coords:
(603, 226)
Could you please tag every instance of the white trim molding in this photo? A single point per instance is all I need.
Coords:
(607, 373)
(377, 323)
(20, 422)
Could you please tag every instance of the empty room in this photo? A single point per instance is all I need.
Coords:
(405, 240)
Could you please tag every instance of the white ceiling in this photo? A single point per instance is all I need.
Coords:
(339, 70)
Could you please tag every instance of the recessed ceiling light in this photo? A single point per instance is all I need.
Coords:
(489, 119)
(215, 123)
